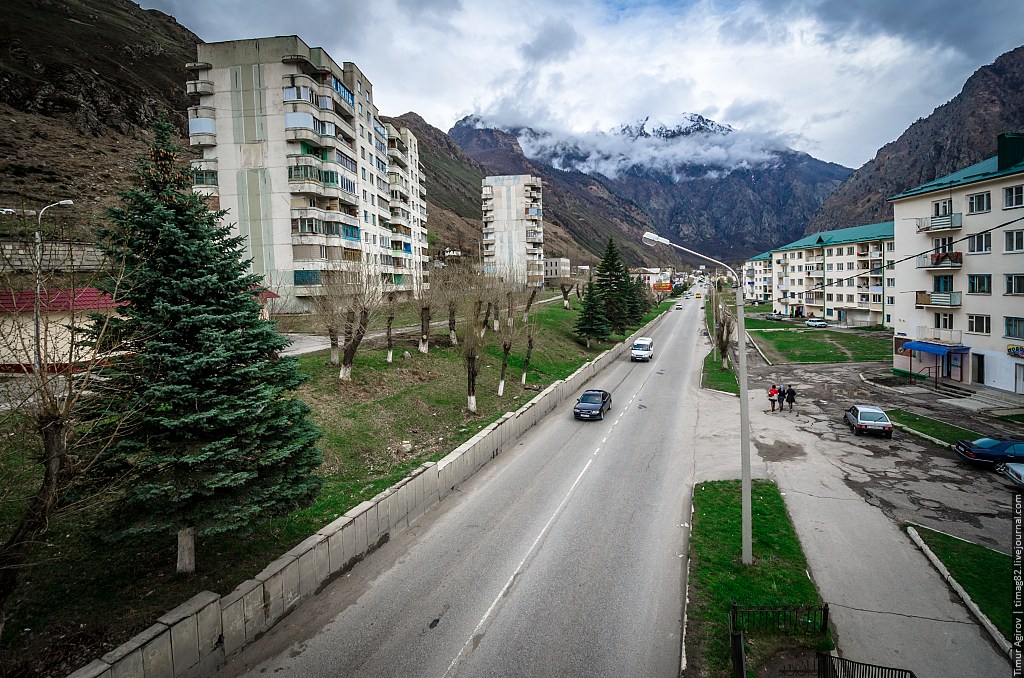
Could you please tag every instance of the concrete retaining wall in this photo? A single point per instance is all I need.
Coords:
(196, 638)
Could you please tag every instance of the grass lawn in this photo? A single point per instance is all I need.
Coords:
(718, 379)
(759, 308)
(821, 346)
(717, 577)
(932, 427)
(1015, 418)
(81, 598)
(985, 574)
(762, 324)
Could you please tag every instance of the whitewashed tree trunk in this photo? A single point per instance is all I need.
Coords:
(452, 338)
(424, 345)
(345, 374)
(501, 388)
(566, 305)
(334, 354)
(524, 379)
(391, 353)
(187, 550)
(497, 324)
(471, 404)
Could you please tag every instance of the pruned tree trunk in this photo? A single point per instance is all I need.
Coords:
(453, 307)
(487, 319)
(36, 517)
(352, 345)
(529, 352)
(566, 289)
(529, 303)
(424, 329)
(471, 373)
(579, 293)
(333, 334)
(390, 336)
(187, 550)
(506, 348)
(511, 309)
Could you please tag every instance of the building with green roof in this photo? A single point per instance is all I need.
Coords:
(757, 277)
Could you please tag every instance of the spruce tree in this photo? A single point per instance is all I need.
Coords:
(210, 437)
(611, 278)
(636, 297)
(591, 323)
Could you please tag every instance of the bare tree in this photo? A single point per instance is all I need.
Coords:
(46, 300)
(472, 336)
(530, 327)
(723, 325)
(389, 309)
(509, 332)
(328, 310)
(565, 285)
(363, 298)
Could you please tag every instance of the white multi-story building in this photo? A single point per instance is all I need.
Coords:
(556, 268)
(513, 231)
(960, 248)
(293, 148)
(757, 278)
(845, 276)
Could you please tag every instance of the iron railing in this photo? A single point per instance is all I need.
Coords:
(837, 667)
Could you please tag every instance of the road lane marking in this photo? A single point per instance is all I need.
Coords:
(480, 628)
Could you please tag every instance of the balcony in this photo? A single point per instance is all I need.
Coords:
(943, 299)
(936, 260)
(938, 334)
(198, 87)
(817, 272)
(398, 157)
(948, 222)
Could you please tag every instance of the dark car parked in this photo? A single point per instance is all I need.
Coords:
(992, 450)
(592, 404)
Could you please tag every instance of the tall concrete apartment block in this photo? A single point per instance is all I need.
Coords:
(513, 216)
(293, 148)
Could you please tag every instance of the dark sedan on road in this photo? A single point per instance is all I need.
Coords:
(592, 404)
(992, 450)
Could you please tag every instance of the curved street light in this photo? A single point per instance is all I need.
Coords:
(37, 358)
(653, 239)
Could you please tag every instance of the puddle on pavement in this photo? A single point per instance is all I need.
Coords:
(779, 451)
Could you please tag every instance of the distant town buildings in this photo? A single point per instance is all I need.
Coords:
(293, 147)
(556, 268)
(757, 278)
(513, 230)
(960, 252)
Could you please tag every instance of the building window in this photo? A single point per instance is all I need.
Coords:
(849, 251)
(850, 282)
(944, 321)
(941, 208)
(942, 283)
(849, 265)
(849, 298)
(876, 298)
(799, 255)
(1014, 242)
(1013, 196)
(307, 277)
(828, 297)
(1014, 327)
(979, 202)
(1015, 283)
(204, 177)
(979, 244)
(891, 282)
(890, 246)
(828, 252)
(890, 300)
(979, 284)
(979, 324)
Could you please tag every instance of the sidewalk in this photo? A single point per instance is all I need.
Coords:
(888, 604)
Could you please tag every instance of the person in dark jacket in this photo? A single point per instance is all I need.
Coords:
(790, 397)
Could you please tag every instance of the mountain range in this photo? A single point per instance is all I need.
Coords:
(75, 118)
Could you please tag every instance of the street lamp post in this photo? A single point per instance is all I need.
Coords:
(653, 239)
(37, 358)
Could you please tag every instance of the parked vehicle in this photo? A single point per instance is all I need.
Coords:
(868, 419)
(1013, 472)
(992, 450)
(592, 404)
(814, 322)
(678, 306)
(643, 349)
(774, 316)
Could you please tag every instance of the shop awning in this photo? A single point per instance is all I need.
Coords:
(937, 349)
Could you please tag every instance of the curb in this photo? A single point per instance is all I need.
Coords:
(758, 349)
(868, 381)
(1003, 644)
(686, 593)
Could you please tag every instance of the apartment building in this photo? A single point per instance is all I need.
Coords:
(960, 253)
(556, 268)
(657, 279)
(757, 278)
(844, 276)
(513, 231)
(294, 149)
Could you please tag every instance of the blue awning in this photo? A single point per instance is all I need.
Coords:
(937, 349)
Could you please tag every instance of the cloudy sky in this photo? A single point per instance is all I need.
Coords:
(835, 78)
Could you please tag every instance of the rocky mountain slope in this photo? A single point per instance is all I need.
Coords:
(80, 81)
(956, 135)
(689, 178)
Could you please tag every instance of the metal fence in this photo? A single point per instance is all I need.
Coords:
(837, 667)
(788, 619)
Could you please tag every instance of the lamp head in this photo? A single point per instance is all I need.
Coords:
(652, 239)
(66, 202)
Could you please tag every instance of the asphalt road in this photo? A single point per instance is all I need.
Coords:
(563, 557)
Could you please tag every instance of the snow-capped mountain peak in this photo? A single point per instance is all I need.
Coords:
(682, 125)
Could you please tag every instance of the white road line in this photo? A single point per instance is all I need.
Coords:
(504, 589)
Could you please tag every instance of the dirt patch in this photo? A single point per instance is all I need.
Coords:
(799, 661)
(779, 451)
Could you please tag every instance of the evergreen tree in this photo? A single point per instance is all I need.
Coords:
(611, 285)
(636, 297)
(210, 438)
(591, 323)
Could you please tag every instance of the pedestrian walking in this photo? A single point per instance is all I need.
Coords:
(773, 395)
(790, 397)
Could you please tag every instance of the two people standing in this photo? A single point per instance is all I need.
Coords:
(781, 395)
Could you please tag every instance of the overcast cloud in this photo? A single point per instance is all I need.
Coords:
(834, 78)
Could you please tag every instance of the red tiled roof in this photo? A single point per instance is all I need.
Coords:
(81, 299)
